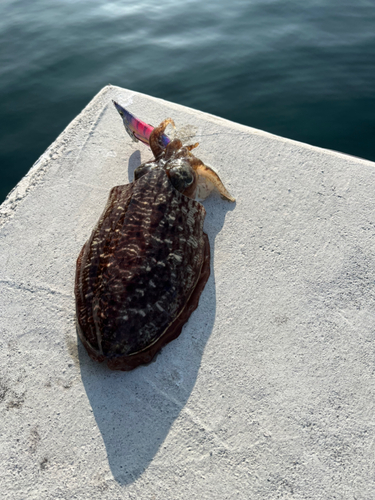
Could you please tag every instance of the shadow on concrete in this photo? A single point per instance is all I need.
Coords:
(135, 410)
(134, 162)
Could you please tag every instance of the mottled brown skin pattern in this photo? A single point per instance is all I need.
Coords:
(140, 274)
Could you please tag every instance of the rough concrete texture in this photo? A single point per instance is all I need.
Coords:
(268, 393)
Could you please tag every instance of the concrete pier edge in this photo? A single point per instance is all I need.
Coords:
(268, 392)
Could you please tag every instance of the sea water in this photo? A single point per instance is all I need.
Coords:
(303, 70)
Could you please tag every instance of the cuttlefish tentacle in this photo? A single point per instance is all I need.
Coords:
(192, 146)
(156, 143)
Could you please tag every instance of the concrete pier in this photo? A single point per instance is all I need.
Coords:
(268, 393)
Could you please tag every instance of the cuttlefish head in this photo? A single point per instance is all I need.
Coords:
(187, 173)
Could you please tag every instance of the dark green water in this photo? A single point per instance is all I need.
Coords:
(303, 70)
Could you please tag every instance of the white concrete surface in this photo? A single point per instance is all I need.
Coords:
(268, 393)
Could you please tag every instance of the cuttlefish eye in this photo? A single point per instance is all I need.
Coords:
(181, 174)
(145, 168)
